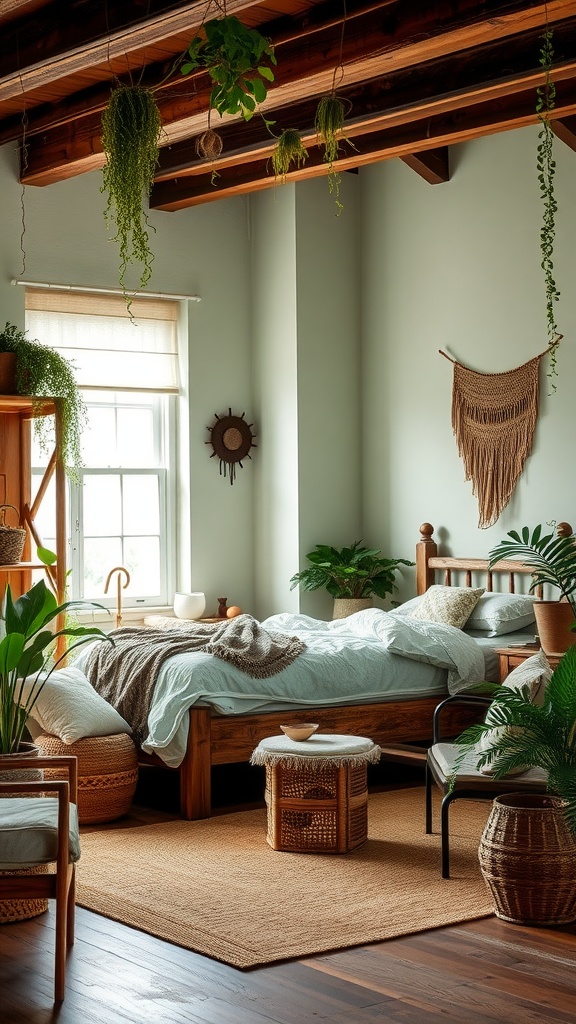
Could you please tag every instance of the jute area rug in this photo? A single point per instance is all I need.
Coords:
(216, 887)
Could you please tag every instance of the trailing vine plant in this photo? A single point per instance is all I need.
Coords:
(329, 124)
(289, 151)
(131, 129)
(546, 166)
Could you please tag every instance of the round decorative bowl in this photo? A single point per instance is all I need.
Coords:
(299, 730)
(189, 606)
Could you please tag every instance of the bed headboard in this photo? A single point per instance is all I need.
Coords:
(428, 563)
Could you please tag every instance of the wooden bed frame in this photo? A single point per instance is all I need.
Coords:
(221, 739)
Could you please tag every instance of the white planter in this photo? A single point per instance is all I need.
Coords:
(189, 606)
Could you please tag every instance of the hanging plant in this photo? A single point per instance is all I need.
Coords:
(42, 372)
(209, 147)
(546, 165)
(329, 124)
(289, 151)
(238, 61)
(131, 127)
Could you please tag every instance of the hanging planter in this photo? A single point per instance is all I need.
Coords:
(131, 128)
(289, 152)
(238, 61)
(329, 124)
(546, 165)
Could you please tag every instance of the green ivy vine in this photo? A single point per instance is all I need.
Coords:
(546, 166)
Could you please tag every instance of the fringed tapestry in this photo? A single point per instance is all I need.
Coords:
(493, 419)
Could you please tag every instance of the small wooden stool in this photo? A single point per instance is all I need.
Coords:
(316, 791)
(107, 773)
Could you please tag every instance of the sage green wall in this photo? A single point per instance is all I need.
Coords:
(202, 251)
(457, 266)
(307, 380)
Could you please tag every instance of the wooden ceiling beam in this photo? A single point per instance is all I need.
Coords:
(565, 130)
(400, 141)
(432, 164)
(302, 73)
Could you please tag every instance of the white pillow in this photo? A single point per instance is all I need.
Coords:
(69, 707)
(450, 605)
(501, 613)
(535, 673)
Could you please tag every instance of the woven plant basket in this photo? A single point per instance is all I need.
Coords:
(528, 860)
(11, 538)
(345, 606)
(107, 773)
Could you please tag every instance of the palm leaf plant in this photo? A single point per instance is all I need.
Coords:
(353, 572)
(131, 129)
(522, 735)
(27, 654)
(552, 557)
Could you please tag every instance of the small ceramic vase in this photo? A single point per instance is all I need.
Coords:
(189, 606)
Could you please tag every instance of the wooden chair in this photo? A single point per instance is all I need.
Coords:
(42, 830)
(466, 780)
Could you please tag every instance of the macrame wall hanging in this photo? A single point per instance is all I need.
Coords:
(493, 419)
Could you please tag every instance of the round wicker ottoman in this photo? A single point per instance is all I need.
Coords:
(107, 773)
(316, 791)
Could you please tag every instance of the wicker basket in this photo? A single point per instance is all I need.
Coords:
(528, 859)
(107, 773)
(317, 808)
(11, 538)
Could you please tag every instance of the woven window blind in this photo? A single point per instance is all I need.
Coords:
(109, 350)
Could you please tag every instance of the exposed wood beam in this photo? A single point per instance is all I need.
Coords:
(70, 150)
(432, 165)
(400, 141)
(565, 130)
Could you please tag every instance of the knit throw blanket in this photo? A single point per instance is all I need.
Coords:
(125, 674)
(493, 418)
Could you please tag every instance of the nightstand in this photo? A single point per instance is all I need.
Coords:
(511, 657)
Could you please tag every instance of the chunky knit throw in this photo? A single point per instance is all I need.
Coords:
(493, 418)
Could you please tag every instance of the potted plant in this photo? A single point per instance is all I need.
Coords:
(42, 372)
(528, 848)
(350, 575)
(553, 558)
(27, 655)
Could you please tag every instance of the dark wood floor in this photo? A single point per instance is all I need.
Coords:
(477, 973)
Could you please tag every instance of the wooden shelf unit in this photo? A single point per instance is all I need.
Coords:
(16, 415)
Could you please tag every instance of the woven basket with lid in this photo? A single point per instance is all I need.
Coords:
(11, 538)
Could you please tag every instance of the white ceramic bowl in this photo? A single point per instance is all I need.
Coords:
(299, 730)
(189, 606)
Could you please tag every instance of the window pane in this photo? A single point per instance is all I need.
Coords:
(142, 559)
(136, 437)
(101, 554)
(102, 505)
(99, 438)
(141, 504)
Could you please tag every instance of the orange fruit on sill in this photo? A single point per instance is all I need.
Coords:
(233, 611)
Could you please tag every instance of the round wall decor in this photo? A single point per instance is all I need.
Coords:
(231, 438)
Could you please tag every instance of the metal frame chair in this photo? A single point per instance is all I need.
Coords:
(59, 841)
(466, 781)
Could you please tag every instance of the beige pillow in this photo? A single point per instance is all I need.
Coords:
(535, 673)
(450, 605)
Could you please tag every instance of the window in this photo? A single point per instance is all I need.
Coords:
(122, 512)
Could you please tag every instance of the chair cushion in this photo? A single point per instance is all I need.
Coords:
(29, 832)
(445, 755)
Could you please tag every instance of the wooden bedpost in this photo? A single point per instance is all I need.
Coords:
(426, 548)
(195, 796)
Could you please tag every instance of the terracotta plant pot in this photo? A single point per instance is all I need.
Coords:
(527, 857)
(553, 621)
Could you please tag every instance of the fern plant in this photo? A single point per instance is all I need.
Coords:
(523, 735)
(552, 557)
(353, 572)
